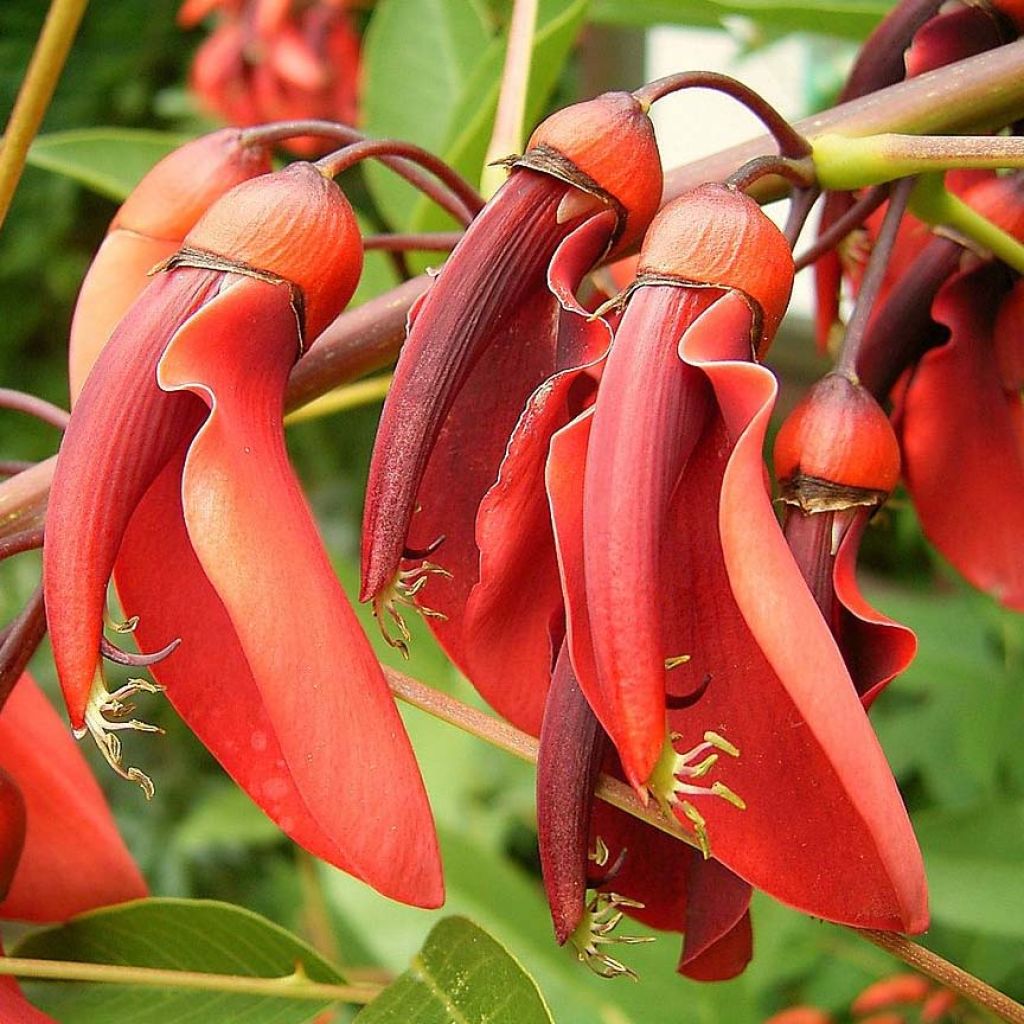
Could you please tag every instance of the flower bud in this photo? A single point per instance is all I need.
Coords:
(181, 187)
(295, 224)
(716, 236)
(895, 990)
(604, 146)
(837, 449)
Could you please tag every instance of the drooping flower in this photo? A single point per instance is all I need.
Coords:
(173, 475)
(60, 852)
(490, 317)
(737, 637)
(271, 60)
(149, 228)
(837, 460)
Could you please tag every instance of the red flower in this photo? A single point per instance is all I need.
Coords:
(714, 590)
(270, 61)
(60, 853)
(837, 460)
(490, 316)
(173, 474)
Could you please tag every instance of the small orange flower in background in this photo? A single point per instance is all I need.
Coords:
(275, 60)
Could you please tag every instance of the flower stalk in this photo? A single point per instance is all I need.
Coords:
(37, 88)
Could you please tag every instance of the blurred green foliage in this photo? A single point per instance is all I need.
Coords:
(951, 725)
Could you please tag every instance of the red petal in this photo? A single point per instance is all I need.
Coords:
(122, 432)
(876, 648)
(74, 860)
(962, 446)
(649, 414)
(718, 904)
(824, 828)
(327, 704)
(500, 263)
(725, 959)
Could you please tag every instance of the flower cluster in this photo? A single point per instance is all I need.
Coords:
(269, 60)
(606, 567)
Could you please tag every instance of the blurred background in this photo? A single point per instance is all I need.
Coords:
(428, 70)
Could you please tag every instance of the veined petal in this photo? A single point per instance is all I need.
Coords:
(823, 828)
(649, 414)
(74, 859)
(500, 262)
(962, 447)
(122, 432)
(115, 278)
(323, 691)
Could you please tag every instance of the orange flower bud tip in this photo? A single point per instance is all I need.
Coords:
(837, 449)
(294, 224)
(897, 989)
(800, 1015)
(718, 236)
(604, 146)
(937, 1005)
(176, 192)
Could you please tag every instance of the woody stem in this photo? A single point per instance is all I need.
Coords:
(37, 88)
(510, 739)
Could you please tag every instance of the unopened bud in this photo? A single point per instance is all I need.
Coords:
(609, 148)
(837, 449)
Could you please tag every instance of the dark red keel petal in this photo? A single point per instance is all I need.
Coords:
(962, 445)
(649, 414)
(123, 430)
(718, 903)
(500, 262)
(504, 598)
(74, 859)
(328, 706)
(723, 959)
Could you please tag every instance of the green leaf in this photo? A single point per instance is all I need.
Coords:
(417, 59)
(459, 123)
(461, 975)
(224, 816)
(973, 860)
(110, 161)
(182, 935)
(853, 19)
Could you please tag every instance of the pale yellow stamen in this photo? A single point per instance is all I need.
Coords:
(403, 590)
(601, 915)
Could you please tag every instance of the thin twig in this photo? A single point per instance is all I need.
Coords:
(32, 405)
(52, 47)
(426, 241)
(840, 228)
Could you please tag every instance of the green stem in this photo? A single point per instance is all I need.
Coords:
(37, 88)
(510, 119)
(292, 986)
(350, 396)
(932, 203)
(848, 163)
